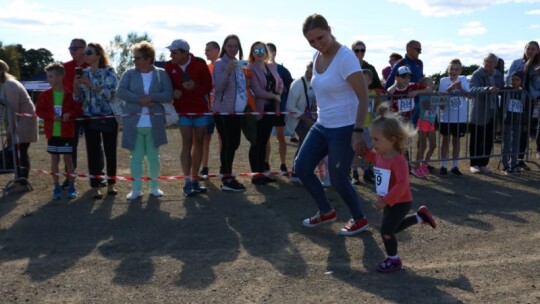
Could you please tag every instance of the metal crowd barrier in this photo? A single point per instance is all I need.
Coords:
(486, 117)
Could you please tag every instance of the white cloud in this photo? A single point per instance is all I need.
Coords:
(458, 7)
(471, 29)
(535, 12)
(534, 26)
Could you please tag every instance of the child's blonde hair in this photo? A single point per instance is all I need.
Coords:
(393, 127)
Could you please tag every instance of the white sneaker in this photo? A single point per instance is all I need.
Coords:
(485, 170)
(475, 169)
(133, 195)
(537, 155)
(156, 192)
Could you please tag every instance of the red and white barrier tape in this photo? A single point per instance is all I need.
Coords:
(180, 114)
(162, 178)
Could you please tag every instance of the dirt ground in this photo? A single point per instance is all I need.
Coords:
(252, 248)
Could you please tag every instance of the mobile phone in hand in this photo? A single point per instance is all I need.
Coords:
(78, 71)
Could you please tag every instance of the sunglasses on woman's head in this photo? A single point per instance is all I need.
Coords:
(259, 51)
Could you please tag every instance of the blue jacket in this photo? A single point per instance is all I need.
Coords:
(416, 67)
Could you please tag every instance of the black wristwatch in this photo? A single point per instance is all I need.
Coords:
(358, 130)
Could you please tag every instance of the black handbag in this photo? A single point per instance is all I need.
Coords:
(104, 124)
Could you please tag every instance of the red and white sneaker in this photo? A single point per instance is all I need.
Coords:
(319, 219)
(354, 226)
(418, 172)
(425, 215)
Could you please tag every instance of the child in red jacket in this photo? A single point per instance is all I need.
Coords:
(389, 138)
(58, 110)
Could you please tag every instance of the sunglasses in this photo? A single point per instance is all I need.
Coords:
(419, 50)
(359, 51)
(89, 52)
(74, 48)
(405, 76)
(259, 51)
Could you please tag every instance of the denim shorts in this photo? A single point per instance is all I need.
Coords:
(211, 125)
(193, 121)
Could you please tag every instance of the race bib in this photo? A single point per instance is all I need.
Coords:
(58, 110)
(371, 105)
(455, 102)
(536, 112)
(382, 180)
(405, 105)
(515, 106)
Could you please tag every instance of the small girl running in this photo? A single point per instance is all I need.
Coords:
(389, 137)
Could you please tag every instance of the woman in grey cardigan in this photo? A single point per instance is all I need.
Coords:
(144, 89)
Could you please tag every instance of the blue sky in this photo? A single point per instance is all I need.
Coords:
(446, 29)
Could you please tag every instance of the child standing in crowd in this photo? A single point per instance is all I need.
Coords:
(372, 105)
(58, 110)
(454, 115)
(514, 120)
(426, 130)
(389, 139)
(404, 92)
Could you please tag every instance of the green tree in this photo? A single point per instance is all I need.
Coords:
(10, 55)
(119, 50)
(34, 61)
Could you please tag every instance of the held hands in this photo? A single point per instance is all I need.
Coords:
(177, 94)
(358, 144)
(189, 85)
(379, 204)
(494, 90)
(146, 101)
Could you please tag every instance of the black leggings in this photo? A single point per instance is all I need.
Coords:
(257, 151)
(94, 151)
(395, 219)
(229, 129)
(24, 169)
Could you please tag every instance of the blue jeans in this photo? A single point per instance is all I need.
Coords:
(510, 151)
(336, 143)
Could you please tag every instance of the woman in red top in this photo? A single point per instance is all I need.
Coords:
(389, 140)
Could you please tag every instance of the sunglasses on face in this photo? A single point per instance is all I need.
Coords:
(89, 52)
(359, 51)
(74, 48)
(259, 51)
(419, 50)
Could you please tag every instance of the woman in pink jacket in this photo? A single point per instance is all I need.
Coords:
(267, 87)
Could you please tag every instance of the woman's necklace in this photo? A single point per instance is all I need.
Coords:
(326, 61)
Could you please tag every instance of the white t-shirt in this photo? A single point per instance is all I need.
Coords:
(457, 108)
(337, 103)
(144, 119)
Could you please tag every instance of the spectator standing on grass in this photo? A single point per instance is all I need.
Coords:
(532, 49)
(515, 110)
(96, 90)
(486, 82)
(230, 96)
(212, 54)
(58, 110)
(144, 88)
(454, 115)
(267, 87)
(301, 101)
(532, 83)
(390, 138)
(342, 99)
(426, 130)
(78, 61)
(412, 61)
(192, 83)
(359, 49)
(279, 120)
(13, 96)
